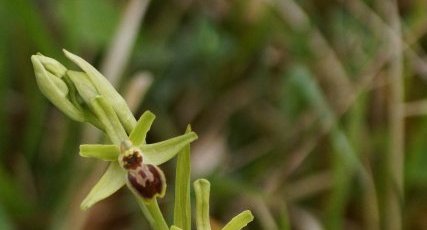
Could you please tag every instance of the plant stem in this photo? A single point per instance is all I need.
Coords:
(155, 217)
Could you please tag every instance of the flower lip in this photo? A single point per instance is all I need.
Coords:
(148, 181)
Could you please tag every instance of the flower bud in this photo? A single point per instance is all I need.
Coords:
(48, 76)
(105, 89)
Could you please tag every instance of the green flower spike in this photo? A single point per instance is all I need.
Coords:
(133, 162)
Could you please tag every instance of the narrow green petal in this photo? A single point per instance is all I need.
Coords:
(54, 90)
(202, 190)
(138, 134)
(103, 152)
(107, 90)
(160, 152)
(112, 180)
(182, 209)
(109, 120)
(240, 221)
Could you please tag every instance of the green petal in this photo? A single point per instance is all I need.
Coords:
(138, 134)
(112, 180)
(202, 190)
(160, 152)
(104, 87)
(109, 120)
(240, 221)
(103, 152)
(182, 209)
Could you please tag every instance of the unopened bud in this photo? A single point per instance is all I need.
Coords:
(52, 86)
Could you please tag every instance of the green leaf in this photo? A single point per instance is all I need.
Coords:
(138, 134)
(104, 87)
(103, 152)
(112, 180)
(182, 209)
(202, 190)
(240, 221)
(108, 118)
(161, 152)
(173, 227)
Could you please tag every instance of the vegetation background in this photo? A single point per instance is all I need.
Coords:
(311, 113)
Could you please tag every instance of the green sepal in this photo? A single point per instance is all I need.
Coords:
(103, 152)
(84, 86)
(112, 180)
(138, 134)
(202, 190)
(182, 209)
(240, 221)
(160, 152)
(108, 118)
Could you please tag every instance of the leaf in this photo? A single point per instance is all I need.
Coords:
(202, 190)
(161, 152)
(173, 227)
(103, 152)
(182, 210)
(240, 221)
(112, 180)
(139, 133)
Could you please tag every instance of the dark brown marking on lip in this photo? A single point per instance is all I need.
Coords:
(132, 161)
(153, 184)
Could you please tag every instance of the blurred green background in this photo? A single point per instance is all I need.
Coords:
(311, 113)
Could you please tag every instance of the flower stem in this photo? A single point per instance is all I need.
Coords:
(157, 221)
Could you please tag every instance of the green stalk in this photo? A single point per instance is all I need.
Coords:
(157, 220)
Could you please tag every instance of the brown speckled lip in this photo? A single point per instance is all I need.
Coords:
(132, 161)
(151, 188)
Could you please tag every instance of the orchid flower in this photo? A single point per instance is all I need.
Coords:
(134, 163)
(87, 96)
